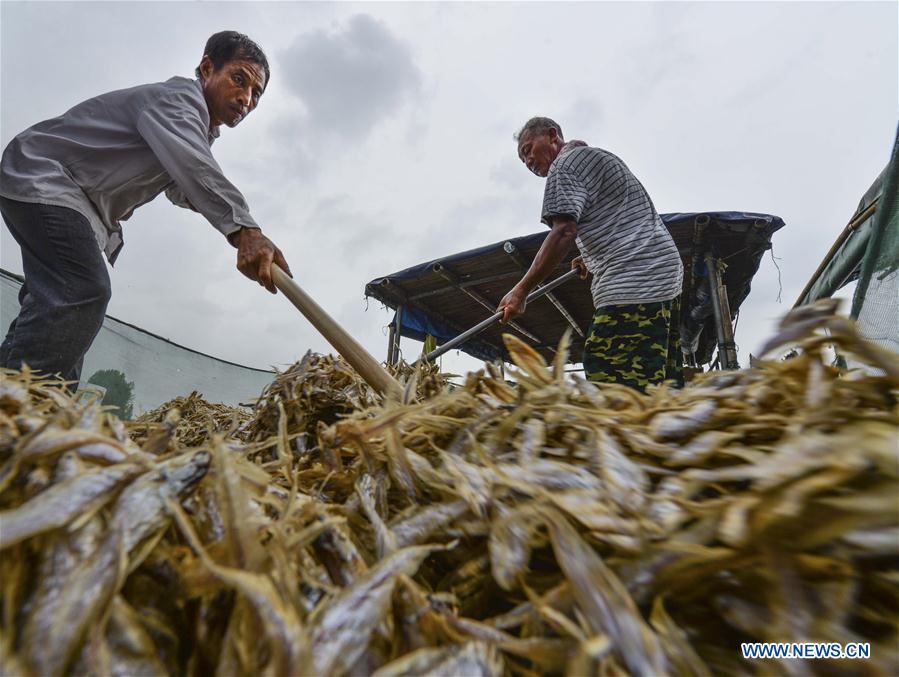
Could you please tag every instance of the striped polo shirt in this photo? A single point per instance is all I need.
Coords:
(623, 241)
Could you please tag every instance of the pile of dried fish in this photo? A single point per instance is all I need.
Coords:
(547, 527)
(320, 390)
(188, 421)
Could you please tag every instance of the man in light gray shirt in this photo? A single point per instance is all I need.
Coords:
(67, 183)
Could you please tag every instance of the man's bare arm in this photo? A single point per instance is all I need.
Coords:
(554, 248)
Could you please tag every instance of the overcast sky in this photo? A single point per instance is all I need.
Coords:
(385, 137)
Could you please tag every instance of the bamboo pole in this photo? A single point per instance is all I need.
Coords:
(843, 236)
(351, 350)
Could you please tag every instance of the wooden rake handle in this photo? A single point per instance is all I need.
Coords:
(351, 350)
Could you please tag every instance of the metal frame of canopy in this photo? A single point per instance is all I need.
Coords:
(721, 252)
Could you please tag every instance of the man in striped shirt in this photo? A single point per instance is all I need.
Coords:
(593, 200)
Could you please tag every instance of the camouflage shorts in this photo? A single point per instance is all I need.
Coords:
(635, 345)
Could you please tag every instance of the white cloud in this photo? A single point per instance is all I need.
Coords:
(351, 76)
(385, 138)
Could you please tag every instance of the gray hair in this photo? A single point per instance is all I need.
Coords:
(539, 126)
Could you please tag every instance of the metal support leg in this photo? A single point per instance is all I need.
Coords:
(396, 335)
(391, 334)
(727, 349)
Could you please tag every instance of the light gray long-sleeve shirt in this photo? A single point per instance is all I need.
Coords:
(108, 155)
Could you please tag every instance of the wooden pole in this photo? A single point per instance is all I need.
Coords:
(351, 350)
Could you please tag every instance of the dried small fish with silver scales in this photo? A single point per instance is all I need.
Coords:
(543, 527)
(187, 421)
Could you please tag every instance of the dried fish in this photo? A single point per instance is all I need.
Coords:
(418, 527)
(341, 628)
(605, 602)
(473, 659)
(536, 527)
(61, 503)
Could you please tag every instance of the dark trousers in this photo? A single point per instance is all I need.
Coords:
(66, 291)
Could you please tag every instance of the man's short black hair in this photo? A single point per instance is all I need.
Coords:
(226, 46)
